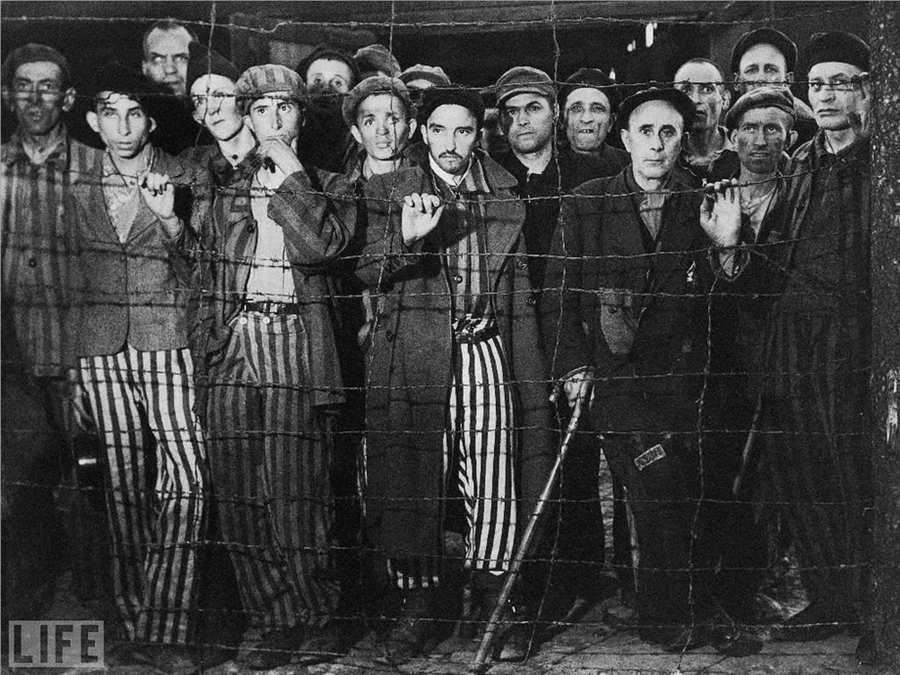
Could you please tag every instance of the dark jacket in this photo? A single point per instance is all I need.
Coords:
(409, 360)
(317, 212)
(633, 311)
(130, 293)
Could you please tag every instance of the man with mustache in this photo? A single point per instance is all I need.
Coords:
(457, 414)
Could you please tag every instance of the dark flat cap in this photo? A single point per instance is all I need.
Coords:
(377, 84)
(452, 95)
(118, 79)
(207, 61)
(592, 78)
(764, 36)
(524, 80)
(677, 99)
(31, 53)
(839, 47)
(760, 97)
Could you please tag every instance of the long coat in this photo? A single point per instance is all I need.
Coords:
(637, 318)
(317, 212)
(409, 360)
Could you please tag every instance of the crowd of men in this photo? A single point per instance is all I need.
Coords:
(354, 295)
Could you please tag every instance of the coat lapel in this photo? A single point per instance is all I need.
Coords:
(504, 218)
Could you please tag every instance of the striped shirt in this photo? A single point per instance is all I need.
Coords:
(37, 248)
(462, 229)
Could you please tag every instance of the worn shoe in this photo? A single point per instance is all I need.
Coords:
(125, 654)
(320, 645)
(819, 621)
(674, 638)
(276, 648)
(410, 637)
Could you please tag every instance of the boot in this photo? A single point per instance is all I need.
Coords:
(410, 636)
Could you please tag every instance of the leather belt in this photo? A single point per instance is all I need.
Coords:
(270, 307)
(475, 336)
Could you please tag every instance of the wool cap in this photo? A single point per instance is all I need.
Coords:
(34, 52)
(524, 80)
(761, 97)
(678, 99)
(591, 78)
(328, 53)
(207, 61)
(374, 59)
(838, 46)
(452, 95)
(257, 81)
(764, 36)
(433, 74)
(377, 84)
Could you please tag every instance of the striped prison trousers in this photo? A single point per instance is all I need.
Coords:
(480, 444)
(156, 513)
(270, 458)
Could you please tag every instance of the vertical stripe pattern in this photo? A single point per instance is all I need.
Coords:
(270, 456)
(155, 520)
(38, 245)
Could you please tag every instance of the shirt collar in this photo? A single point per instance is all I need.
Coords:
(450, 179)
(14, 150)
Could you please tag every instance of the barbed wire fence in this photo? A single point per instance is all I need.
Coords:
(354, 551)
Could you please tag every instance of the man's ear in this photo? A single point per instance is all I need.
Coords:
(68, 99)
(789, 78)
(198, 118)
(92, 121)
(413, 125)
(354, 131)
(145, 68)
(626, 139)
(726, 98)
(7, 99)
(152, 124)
(732, 134)
(249, 124)
(792, 138)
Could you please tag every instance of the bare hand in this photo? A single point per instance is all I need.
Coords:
(159, 194)
(281, 154)
(720, 213)
(421, 214)
(577, 386)
(861, 118)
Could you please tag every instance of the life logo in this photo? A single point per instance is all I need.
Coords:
(56, 644)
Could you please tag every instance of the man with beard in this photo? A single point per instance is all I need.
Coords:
(325, 140)
(456, 402)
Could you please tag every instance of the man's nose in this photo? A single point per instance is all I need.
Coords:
(277, 122)
(34, 96)
(124, 126)
(169, 65)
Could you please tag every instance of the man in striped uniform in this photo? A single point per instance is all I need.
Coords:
(457, 411)
(269, 372)
(136, 369)
(39, 164)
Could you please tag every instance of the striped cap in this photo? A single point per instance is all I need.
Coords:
(257, 81)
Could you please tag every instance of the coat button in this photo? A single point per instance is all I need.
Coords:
(613, 309)
(521, 264)
(32, 262)
(530, 301)
(243, 319)
(458, 278)
(389, 336)
(251, 228)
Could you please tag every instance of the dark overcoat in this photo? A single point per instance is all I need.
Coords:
(409, 360)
